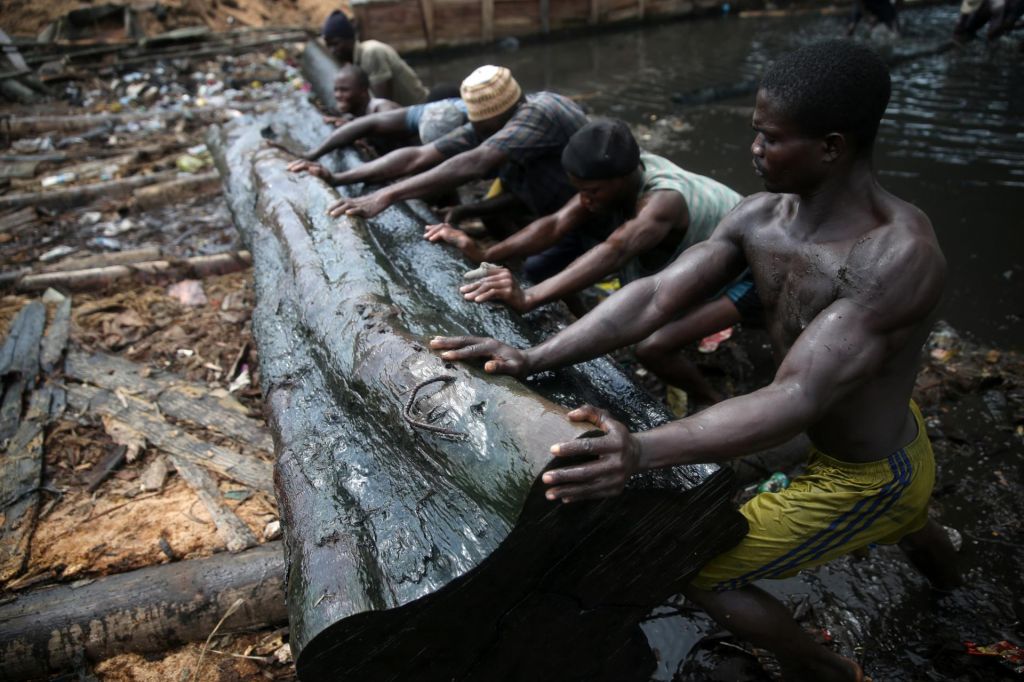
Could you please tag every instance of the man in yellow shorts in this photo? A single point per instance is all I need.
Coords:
(850, 277)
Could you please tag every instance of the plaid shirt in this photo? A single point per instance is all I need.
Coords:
(532, 140)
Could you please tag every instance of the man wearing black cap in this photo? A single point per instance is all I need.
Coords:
(638, 211)
(390, 77)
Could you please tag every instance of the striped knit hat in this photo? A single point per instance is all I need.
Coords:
(489, 91)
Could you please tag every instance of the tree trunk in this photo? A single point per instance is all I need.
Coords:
(147, 610)
(419, 542)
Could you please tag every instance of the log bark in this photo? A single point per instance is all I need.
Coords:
(174, 396)
(97, 278)
(147, 610)
(422, 555)
(141, 415)
(20, 478)
(19, 364)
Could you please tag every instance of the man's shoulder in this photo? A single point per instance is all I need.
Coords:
(898, 265)
(376, 47)
(550, 104)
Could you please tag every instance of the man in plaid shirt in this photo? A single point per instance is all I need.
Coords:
(517, 138)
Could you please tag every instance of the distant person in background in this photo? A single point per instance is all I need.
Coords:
(877, 12)
(1001, 16)
(353, 96)
(390, 77)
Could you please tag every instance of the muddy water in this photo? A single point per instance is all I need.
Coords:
(952, 143)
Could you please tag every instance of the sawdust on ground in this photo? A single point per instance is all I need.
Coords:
(29, 17)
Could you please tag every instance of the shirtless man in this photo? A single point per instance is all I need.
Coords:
(850, 277)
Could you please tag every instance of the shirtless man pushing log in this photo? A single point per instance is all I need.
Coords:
(850, 277)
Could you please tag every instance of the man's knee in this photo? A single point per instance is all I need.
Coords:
(652, 350)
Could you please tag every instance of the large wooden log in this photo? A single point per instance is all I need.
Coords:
(413, 550)
(147, 610)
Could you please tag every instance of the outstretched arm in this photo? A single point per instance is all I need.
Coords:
(659, 213)
(843, 348)
(383, 123)
(459, 169)
(624, 318)
(392, 165)
(534, 238)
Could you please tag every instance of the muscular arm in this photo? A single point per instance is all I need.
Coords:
(540, 234)
(843, 348)
(658, 215)
(392, 165)
(383, 123)
(459, 169)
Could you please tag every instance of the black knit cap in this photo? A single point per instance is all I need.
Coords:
(338, 26)
(601, 150)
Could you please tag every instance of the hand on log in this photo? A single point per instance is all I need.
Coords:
(608, 460)
(362, 207)
(444, 232)
(499, 285)
(311, 167)
(500, 359)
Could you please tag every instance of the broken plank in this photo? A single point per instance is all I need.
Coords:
(20, 477)
(95, 278)
(175, 396)
(56, 338)
(19, 363)
(142, 416)
(17, 219)
(147, 610)
(232, 530)
(103, 260)
(73, 197)
(177, 190)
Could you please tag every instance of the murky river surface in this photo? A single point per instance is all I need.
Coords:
(952, 142)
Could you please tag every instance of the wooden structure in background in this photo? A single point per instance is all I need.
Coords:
(410, 25)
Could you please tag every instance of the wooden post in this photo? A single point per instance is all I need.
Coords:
(595, 11)
(545, 16)
(640, 8)
(487, 21)
(427, 13)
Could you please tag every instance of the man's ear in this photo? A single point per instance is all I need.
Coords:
(834, 146)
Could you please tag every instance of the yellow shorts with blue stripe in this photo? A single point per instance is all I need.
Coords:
(833, 509)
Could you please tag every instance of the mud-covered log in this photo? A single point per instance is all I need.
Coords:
(147, 610)
(418, 538)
